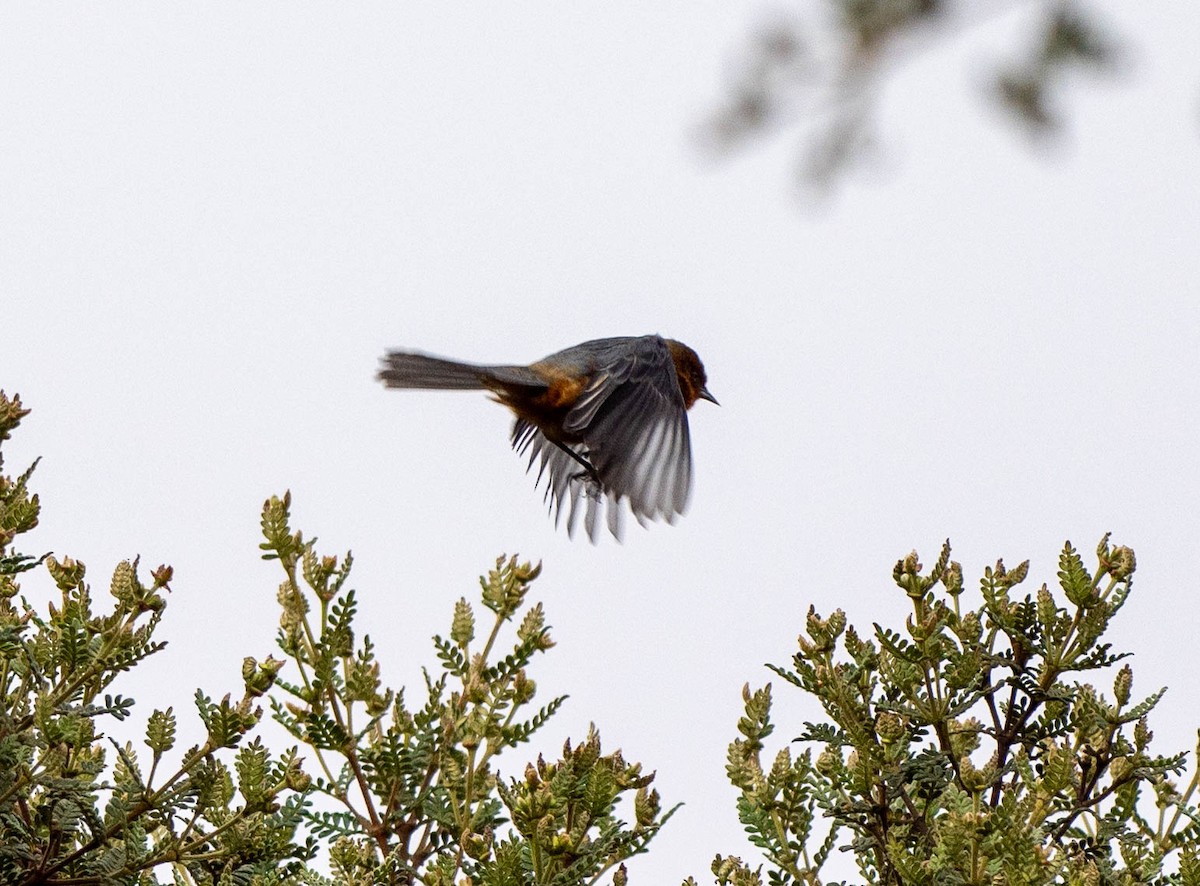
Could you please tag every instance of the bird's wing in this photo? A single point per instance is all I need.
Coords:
(569, 489)
(637, 437)
(634, 431)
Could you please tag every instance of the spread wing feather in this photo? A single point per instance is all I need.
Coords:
(634, 431)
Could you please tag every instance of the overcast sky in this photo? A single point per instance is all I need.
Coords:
(216, 217)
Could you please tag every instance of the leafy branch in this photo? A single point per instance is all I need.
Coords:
(413, 793)
(67, 815)
(968, 746)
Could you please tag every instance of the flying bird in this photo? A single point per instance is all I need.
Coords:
(606, 420)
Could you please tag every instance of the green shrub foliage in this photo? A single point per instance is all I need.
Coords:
(969, 747)
(412, 791)
(397, 794)
(78, 808)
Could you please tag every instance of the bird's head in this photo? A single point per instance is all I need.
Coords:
(693, 382)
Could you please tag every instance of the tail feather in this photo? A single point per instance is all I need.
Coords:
(402, 369)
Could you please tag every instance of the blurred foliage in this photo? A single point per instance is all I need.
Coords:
(78, 808)
(412, 793)
(969, 748)
(826, 73)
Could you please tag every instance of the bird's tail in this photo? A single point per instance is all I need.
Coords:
(401, 369)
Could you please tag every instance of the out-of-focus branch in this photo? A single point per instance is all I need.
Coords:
(825, 74)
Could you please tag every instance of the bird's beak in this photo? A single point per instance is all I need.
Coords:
(705, 395)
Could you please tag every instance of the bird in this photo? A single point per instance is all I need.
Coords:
(606, 421)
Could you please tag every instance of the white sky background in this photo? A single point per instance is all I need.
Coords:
(215, 218)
